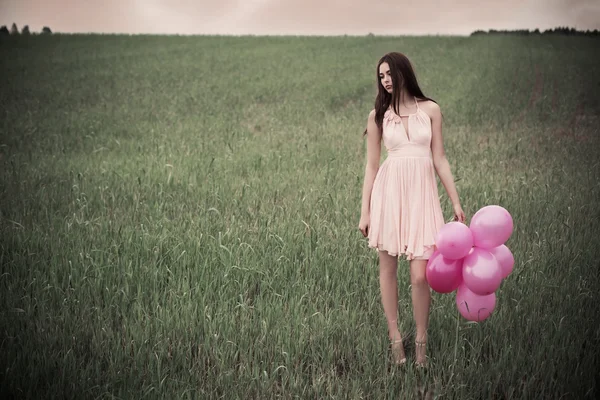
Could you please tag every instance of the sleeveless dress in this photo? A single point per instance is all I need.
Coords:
(405, 210)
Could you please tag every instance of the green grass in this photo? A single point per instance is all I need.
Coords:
(179, 217)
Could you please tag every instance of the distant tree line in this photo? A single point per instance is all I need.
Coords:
(14, 30)
(561, 30)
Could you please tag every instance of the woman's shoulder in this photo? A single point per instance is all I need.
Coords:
(431, 108)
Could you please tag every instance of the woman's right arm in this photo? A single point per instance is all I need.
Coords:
(373, 156)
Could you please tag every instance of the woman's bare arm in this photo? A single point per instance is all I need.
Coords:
(442, 166)
(373, 156)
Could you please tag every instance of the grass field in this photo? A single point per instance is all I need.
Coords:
(179, 217)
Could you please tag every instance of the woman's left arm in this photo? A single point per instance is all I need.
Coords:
(440, 162)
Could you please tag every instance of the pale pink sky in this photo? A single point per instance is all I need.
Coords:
(298, 17)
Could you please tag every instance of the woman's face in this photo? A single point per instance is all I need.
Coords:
(385, 77)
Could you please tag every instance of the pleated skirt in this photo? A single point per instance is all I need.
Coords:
(405, 210)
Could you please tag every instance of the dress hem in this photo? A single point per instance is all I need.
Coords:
(409, 255)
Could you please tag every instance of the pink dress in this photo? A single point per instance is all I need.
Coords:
(405, 208)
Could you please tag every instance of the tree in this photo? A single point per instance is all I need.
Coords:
(4, 30)
(46, 31)
(559, 30)
(25, 30)
(14, 30)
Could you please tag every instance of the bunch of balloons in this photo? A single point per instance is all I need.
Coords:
(473, 261)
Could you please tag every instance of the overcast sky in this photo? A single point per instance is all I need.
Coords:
(298, 17)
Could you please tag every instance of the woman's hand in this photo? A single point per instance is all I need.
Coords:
(363, 225)
(459, 214)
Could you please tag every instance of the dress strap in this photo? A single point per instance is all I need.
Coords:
(390, 109)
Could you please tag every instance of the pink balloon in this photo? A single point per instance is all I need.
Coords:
(443, 274)
(482, 273)
(454, 240)
(491, 227)
(472, 306)
(505, 259)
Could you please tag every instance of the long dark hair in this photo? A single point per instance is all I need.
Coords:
(403, 75)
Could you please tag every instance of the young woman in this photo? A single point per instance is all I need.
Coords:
(401, 212)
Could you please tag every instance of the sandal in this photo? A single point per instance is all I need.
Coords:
(398, 352)
(421, 345)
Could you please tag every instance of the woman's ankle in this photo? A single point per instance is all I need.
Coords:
(395, 335)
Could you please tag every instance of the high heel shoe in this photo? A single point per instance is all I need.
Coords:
(398, 352)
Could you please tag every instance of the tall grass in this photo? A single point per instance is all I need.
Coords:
(179, 217)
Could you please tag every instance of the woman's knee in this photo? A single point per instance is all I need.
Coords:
(418, 279)
(417, 273)
(388, 265)
(388, 272)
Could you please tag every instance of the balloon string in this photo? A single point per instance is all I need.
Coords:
(455, 346)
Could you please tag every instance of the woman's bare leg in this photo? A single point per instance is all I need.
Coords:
(421, 298)
(388, 280)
